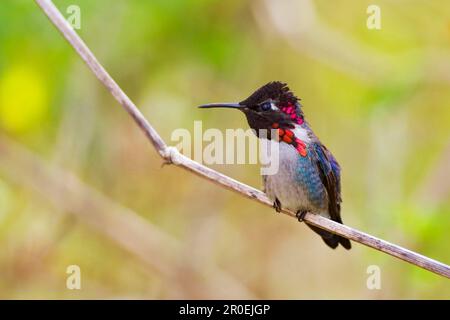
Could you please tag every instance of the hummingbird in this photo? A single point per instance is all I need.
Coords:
(308, 178)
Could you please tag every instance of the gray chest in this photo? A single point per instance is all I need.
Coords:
(296, 184)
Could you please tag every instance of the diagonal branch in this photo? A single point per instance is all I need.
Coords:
(171, 155)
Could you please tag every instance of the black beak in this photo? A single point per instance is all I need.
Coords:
(222, 105)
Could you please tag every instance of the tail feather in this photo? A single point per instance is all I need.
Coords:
(331, 239)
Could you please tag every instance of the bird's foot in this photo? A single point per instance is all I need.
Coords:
(300, 215)
(277, 205)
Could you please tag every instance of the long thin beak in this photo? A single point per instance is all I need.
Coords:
(222, 105)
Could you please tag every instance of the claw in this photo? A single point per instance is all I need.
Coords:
(300, 215)
(277, 205)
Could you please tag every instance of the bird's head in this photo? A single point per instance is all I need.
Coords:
(273, 106)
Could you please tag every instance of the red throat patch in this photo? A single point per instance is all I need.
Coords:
(288, 136)
(289, 109)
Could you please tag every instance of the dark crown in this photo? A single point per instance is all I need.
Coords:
(274, 90)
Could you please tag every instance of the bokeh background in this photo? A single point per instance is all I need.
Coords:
(79, 183)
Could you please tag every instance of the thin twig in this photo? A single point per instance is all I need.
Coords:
(171, 155)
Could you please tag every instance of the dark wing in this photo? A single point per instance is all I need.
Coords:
(329, 171)
(330, 175)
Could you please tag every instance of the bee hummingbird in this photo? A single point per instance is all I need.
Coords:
(308, 177)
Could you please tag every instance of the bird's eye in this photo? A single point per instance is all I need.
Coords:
(266, 106)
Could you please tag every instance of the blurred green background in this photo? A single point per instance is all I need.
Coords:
(79, 183)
